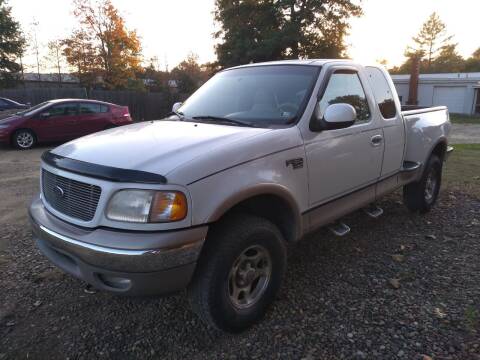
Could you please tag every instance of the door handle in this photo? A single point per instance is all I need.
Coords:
(376, 140)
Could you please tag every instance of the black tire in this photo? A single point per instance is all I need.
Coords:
(229, 242)
(421, 196)
(24, 139)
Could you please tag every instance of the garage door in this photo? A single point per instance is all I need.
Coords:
(451, 96)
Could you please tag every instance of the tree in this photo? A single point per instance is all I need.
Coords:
(55, 57)
(316, 28)
(472, 64)
(259, 30)
(12, 46)
(448, 60)
(81, 54)
(249, 31)
(189, 74)
(103, 35)
(431, 39)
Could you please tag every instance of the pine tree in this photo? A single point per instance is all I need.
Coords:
(12, 46)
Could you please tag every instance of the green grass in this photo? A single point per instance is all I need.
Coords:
(464, 119)
(462, 170)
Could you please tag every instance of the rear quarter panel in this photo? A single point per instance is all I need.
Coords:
(425, 129)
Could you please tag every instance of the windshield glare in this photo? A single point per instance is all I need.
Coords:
(260, 95)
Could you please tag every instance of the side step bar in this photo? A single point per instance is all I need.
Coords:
(373, 211)
(339, 229)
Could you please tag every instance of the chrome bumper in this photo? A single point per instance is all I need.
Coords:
(127, 257)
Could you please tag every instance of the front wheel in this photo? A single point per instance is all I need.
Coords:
(239, 273)
(421, 196)
(24, 139)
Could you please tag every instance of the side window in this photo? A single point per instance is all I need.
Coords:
(89, 108)
(62, 110)
(344, 86)
(382, 92)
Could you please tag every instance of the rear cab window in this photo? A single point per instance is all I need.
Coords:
(382, 92)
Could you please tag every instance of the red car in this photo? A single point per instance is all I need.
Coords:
(61, 120)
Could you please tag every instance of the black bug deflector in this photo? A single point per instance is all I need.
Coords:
(102, 171)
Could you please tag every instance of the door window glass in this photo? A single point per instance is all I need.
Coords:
(345, 87)
(92, 108)
(382, 92)
(62, 110)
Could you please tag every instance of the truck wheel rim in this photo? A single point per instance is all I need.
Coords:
(24, 140)
(249, 276)
(430, 185)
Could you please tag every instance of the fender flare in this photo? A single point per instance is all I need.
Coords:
(258, 190)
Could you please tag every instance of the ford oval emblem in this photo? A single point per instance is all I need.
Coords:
(58, 191)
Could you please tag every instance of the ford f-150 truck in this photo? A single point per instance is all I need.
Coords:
(207, 198)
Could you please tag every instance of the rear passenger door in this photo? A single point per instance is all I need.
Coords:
(93, 117)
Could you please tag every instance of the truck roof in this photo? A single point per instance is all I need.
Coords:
(314, 62)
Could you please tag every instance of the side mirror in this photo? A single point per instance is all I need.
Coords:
(176, 106)
(44, 115)
(337, 116)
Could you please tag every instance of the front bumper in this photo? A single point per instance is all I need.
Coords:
(132, 263)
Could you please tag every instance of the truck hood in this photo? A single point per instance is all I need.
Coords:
(157, 147)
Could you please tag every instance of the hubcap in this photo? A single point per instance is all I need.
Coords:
(249, 276)
(24, 140)
(430, 185)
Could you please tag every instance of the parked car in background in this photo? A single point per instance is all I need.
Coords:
(61, 120)
(8, 104)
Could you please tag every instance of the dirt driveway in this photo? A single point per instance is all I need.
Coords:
(339, 299)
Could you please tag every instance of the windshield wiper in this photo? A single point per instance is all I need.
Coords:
(223, 119)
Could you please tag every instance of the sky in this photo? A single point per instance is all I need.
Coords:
(171, 29)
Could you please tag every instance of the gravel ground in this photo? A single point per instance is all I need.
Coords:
(465, 134)
(403, 286)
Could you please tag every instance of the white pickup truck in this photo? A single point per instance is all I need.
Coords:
(208, 198)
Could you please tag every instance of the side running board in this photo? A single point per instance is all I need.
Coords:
(373, 211)
(339, 229)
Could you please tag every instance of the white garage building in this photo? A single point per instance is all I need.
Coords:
(459, 91)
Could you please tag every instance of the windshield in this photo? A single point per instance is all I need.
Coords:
(259, 95)
(31, 110)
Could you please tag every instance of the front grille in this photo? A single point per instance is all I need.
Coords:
(70, 197)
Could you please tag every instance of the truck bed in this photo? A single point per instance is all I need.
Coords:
(425, 127)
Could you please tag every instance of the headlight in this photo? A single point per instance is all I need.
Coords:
(4, 126)
(144, 206)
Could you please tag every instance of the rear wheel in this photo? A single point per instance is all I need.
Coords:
(422, 195)
(24, 139)
(239, 273)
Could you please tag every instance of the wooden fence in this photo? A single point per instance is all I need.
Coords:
(142, 105)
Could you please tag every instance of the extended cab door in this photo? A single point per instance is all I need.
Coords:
(343, 161)
(391, 119)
